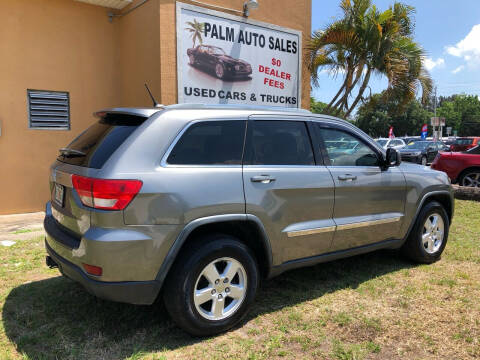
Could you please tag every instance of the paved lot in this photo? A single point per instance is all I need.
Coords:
(20, 227)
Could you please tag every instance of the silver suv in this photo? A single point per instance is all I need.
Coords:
(199, 203)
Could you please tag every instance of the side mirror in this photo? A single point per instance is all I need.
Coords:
(393, 157)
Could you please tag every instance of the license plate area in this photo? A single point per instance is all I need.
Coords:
(59, 194)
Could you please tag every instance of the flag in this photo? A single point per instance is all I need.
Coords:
(391, 135)
(424, 131)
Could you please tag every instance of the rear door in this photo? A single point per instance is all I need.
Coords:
(286, 189)
(369, 200)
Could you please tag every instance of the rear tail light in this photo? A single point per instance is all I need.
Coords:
(105, 194)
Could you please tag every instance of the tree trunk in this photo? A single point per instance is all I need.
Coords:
(327, 109)
(360, 92)
(342, 103)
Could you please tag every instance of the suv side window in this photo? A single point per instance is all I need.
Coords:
(273, 142)
(344, 149)
(210, 143)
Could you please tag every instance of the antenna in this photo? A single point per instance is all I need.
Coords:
(155, 103)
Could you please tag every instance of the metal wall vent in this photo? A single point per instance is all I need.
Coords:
(48, 110)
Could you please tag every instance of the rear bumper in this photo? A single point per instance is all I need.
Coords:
(132, 292)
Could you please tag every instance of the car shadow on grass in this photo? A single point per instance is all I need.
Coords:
(56, 318)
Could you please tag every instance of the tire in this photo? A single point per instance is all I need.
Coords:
(220, 71)
(470, 178)
(424, 161)
(428, 249)
(198, 317)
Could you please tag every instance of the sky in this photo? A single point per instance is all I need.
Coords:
(448, 30)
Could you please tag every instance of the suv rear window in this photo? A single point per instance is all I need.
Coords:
(280, 143)
(94, 146)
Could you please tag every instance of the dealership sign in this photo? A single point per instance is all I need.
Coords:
(225, 59)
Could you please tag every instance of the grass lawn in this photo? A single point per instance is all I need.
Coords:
(374, 306)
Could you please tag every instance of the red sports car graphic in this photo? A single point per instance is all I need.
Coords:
(213, 58)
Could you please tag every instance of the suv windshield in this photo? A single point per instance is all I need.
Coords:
(418, 145)
(382, 142)
(94, 146)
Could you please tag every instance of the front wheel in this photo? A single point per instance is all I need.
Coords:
(220, 71)
(424, 160)
(429, 235)
(212, 285)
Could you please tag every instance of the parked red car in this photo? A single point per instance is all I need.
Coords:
(464, 143)
(461, 167)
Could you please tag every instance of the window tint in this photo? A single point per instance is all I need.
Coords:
(344, 149)
(210, 143)
(96, 144)
(475, 150)
(280, 143)
(464, 141)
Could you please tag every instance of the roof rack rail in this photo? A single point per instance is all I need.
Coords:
(235, 107)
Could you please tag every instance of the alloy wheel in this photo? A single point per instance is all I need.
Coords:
(219, 71)
(471, 179)
(220, 289)
(433, 233)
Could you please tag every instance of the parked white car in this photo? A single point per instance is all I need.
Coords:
(391, 143)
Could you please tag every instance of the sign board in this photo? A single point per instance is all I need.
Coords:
(449, 130)
(437, 121)
(226, 59)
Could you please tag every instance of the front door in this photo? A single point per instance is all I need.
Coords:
(369, 200)
(284, 187)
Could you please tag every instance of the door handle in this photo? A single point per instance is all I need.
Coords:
(264, 179)
(347, 177)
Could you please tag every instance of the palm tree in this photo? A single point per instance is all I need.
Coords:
(196, 29)
(365, 42)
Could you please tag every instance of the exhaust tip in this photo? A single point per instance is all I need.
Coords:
(50, 262)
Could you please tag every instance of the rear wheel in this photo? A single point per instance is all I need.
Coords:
(212, 285)
(429, 235)
(470, 178)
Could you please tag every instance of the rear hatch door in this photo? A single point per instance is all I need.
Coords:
(85, 156)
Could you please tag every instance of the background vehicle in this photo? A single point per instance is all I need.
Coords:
(408, 140)
(464, 143)
(190, 199)
(461, 167)
(391, 143)
(422, 152)
(215, 58)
